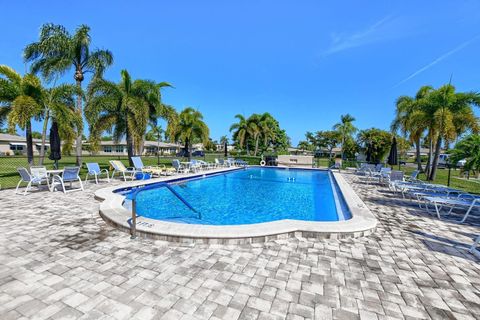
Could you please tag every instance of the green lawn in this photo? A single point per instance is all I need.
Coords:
(9, 176)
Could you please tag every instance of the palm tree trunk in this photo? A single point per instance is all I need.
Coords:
(256, 146)
(28, 131)
(44, 137)
(418, 155)
(187, 149)
(429, 158)
(129, 147)
(433, 172)
(78, 145)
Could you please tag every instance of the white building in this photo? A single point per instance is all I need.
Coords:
(17, 145)
(150, 148)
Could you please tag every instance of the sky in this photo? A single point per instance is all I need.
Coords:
(305, 62)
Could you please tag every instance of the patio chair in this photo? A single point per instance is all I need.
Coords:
(93, 169)
(30, 179)
(69, 175)
(140, 167)
(119, 167)
(467, 202)
(413, 176)
(180, 168)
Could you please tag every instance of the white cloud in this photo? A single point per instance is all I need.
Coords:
(376, 32)
(439, 59)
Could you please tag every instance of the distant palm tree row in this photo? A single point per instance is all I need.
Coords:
(126, 108)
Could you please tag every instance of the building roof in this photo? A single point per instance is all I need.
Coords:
(15, 138)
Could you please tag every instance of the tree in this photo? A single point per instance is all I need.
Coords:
(345, 128)
(58, 104)
(468, 148)
(304, 145)
(410, 120)
(240, 131)
(20, 101)
(452, 114)
(376, 143)
(57, 51)
(324, 140)
(223, 140)
(122, 108)
(191, 127)
(155, 133)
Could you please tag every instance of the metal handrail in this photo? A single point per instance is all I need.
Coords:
(137, 190)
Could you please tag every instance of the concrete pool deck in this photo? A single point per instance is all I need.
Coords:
(59, 260)
(362, 222)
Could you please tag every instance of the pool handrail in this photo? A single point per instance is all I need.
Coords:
(136, 191)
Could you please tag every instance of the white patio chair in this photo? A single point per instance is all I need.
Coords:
(93, 169)
(69, 175)
(119, 167)
(30, 179)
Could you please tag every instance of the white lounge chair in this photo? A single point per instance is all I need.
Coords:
(119, 167)
(180, 168)
(31, 179)
(93, 169)
(467, 202)
(69, 175)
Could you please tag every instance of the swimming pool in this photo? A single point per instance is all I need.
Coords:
(247, 196)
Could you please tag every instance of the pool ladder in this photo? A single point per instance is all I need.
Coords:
(291, 179)
(133, 221)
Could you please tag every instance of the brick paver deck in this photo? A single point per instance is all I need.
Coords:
(59, 260)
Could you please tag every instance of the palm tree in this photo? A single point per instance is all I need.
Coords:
(20, 101)
(254, 130)
(59, 105)
(241, 130)
(57, 51)
(410, 120)
(468, 149)
(191, 127)
(345, 128)
(123, 108)
(452, 114)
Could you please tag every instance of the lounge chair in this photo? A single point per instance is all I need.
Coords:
(138, 164)
(467, 202)
(93, 169)
(69, 175)
(119, 167)
(31, 179)
(180, 168)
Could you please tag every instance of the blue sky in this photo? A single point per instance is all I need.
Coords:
(306, 62)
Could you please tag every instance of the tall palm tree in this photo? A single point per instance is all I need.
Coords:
(240, 131)
(254, 130)
(191, 127)
(469, 149)
(410, 121)
(267, 126)
(20, 101)
(123, 108)
(345, 128)
(452, 113)
(58, 104)
(58, 51)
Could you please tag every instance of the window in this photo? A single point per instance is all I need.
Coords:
(107, 149)
(151, 149)
(119, 149)
(15, 147)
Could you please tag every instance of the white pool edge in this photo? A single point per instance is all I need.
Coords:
(362, 223)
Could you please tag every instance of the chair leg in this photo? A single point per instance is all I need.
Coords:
(96, 179)
(81, 184)
(18, 186)
(29, 185)
(467, 213)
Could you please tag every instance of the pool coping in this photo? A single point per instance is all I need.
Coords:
(362, 223)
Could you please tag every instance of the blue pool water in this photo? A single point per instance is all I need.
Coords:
(246, 196)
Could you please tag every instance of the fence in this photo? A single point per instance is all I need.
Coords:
(9, 176)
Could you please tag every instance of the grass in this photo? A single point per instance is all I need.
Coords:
(9, 176)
